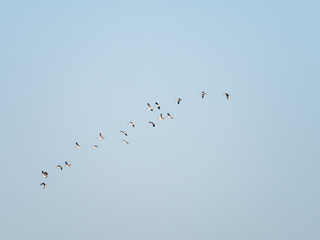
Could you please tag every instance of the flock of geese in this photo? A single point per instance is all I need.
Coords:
(100, 137)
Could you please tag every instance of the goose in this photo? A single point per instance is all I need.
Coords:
(78, 146)
(95, 146)
(100, 137)
(202, 94)
(179, 100)
(44, 174)
(59, 166)
(226, 94)
(149, 107)
(122, 132)
(124, 141)
(153, 125)
(157, 105)
(169, 116)
(131, 124)
(43, 185)
(161, 118)
(67, 164)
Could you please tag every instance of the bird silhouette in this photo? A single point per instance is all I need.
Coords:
(100, 137)
(149, 107)
(43, 185)
(153, 125)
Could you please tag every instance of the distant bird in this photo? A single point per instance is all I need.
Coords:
(226, 94)
(124, 141)
(149, 107)
(100, 137)
(95, 146)
(157, 105)
(131, 124)
(179, 100)
(67, 164)
(44, 174)
(169, 116)
(59, 166)
(122, 132)
(77, 146)
(161, 118)
(202, 94)
(43, 185)
(153, 125)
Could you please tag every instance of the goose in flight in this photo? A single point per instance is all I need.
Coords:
(44, 174)
(43, 185)
(131, 124)
(100, 137)
(95, 146)
(169, 116)
(149, 107)
(59, 166)
(179, 100)
(161, 118)
(226, 94)
(124, 141)
(122, 132)
(67, 164)
(152, 123)
(202, 94)
(157, 105)
(78, 146)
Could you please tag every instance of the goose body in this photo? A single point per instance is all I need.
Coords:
(202, 94)
(78, 146)
(161, 118)
(67, 164)
(122, 132)
(124, 141)
(149, 107)
(43, 185)
(100, 137)
(44, 174)
(157, 105)
(152, 123)
(227, 95)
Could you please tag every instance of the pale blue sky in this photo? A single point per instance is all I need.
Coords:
(244, 169)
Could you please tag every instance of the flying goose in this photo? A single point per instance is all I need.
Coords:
(78, 146)
(149, 107)
(124, 141)
(44, 174)
(226, 94)
(43, 185)
(202, 94)
(67, 164)
(95, 146)
(153, 125)
(59, 166)
(122, 132)
(179, 100)
(161, 118)
(131, 124)
(169, 116)
(157, 105)
(100, 137)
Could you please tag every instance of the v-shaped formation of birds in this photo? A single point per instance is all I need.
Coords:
(100, 137)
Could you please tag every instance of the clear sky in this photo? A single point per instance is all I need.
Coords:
(244, 169)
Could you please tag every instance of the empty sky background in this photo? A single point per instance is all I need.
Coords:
(244, 169)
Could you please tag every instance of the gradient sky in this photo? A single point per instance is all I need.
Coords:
(244, 169)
